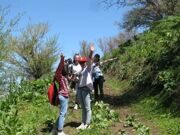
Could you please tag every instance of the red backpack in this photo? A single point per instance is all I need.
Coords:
(53, 94)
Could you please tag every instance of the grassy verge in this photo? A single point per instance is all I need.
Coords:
(117, 85)
(38, 117)
(168, 124)
(161, 118)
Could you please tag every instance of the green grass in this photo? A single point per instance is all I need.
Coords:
(148, 107)
(168, 124)
(95, 131)
(37, 115)
(117, 85)
(1, 92)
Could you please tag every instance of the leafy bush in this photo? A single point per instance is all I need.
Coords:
(168, 80)
(151, 61)
(139, 127)
(19, 94)
(103, 115)
(9, 124)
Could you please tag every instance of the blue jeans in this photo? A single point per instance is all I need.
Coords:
(63, 110)
(84, 96)
(77, 100)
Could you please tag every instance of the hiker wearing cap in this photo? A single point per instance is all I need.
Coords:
(85, 87)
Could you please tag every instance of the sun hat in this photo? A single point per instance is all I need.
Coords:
(82, 59)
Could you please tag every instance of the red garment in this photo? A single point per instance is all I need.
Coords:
(63, 83)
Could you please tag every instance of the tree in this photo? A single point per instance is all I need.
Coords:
(108, 44)
(6, 28)
(33, 53)
(144, 12)
(103, 45)
(84, 48)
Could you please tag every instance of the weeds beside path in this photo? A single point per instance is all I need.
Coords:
(134, 119)
(114, 96)
(120, 102)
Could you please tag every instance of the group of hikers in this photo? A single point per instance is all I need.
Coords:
(84, 75)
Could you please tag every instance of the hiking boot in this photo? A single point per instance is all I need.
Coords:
(87, 126)
(75, 106)
(82, 126)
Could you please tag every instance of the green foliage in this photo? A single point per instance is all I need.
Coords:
(152, 60)
(95, 131)
(140, 128)
(103, 116)
(25, 109)
(173, 130)
(9, 124)
(7, 25)
(145, 12)
(25, 94)
(117, 85)
(168, 80)
(32, 53)
(122, 132)
(130, 121)
(151, 63)
(162, 118)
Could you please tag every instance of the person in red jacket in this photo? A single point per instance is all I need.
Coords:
(61, 77)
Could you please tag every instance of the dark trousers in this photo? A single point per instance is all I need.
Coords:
(98, 86)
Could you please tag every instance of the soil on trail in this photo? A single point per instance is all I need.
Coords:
(117, 101)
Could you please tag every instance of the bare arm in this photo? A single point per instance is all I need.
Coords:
(109, 60)
(89, 63)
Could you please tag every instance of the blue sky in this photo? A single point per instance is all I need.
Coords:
(72, 20)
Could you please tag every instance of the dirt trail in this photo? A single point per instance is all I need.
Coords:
(114, 99)
(118, 103)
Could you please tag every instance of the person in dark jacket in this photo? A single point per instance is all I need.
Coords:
(98, 78)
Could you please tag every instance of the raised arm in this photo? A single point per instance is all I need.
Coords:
(109, 60)
(58, 73)
(89, 62)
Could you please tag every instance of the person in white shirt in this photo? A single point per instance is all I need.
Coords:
(76, 69)
(85, 87)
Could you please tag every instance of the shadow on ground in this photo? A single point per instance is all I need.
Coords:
(72, 124)
(126, 98)
(48, 126)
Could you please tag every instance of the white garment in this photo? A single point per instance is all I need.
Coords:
(85, 79)
(96, 71)
(76, 69)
